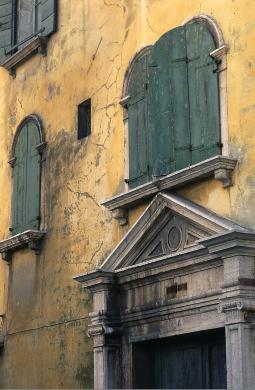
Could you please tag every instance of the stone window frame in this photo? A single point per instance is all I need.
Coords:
(219, 167)
(31, 238)
(219, 54)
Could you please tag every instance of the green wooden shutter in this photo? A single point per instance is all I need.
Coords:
(203, 93)
(137, 123)
(26, 180)
(168, 104)
(19, 183)
(48, 16)
(32, 178)
(5, 27)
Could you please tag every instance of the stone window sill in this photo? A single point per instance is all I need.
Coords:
(220, 168)
(36, 45)
(29, 238)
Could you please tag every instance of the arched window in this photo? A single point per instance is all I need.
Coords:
(173, 104)
(26, 163)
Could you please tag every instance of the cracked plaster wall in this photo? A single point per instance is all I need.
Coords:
(47, 313)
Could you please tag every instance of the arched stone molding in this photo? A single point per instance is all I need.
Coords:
(220, 55)
(37, 121)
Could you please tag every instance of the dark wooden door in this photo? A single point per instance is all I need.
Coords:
(191, 364)
(194, 361)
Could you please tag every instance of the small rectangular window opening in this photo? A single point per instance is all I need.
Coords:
(84, 119)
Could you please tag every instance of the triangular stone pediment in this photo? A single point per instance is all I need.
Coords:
(169, 225)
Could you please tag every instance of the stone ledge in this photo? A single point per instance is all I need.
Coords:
(30, 238)
(220, 168)
(37, 44)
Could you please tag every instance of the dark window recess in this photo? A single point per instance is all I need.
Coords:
(84, 119)
(176, 291)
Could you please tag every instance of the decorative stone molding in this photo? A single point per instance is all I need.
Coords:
(236, 305)
(38, 44)
(219, 167)
(100, 330)
(149, 236)
(30, 238)
(219, 52)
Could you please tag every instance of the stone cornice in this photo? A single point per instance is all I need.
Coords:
(219, 167)
(97, 279)
(231, 243)
(37, 44)
(30, 238)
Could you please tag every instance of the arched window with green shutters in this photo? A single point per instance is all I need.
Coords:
(26, 178)
(174, 108)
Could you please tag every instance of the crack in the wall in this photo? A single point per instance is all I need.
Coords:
(93, 57)
(150, 27)
(85, 194)
(96, 252)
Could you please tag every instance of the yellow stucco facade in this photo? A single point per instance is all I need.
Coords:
(46, 312)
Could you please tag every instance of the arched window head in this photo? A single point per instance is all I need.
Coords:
(26, 162)
(173, 104)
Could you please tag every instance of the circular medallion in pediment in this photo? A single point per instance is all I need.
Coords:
(174, 238)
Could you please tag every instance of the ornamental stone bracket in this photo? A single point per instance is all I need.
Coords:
(238, 311)
(219, 167)
(30, 238)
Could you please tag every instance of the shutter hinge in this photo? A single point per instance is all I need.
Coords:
(219, 144)
(10, 229)
(127, 181)
(190, 148)
(38, 218)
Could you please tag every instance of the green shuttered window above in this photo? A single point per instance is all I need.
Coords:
(173, 105)
(26, 179)
(23, 20)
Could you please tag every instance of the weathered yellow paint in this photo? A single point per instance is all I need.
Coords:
(47, 312)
